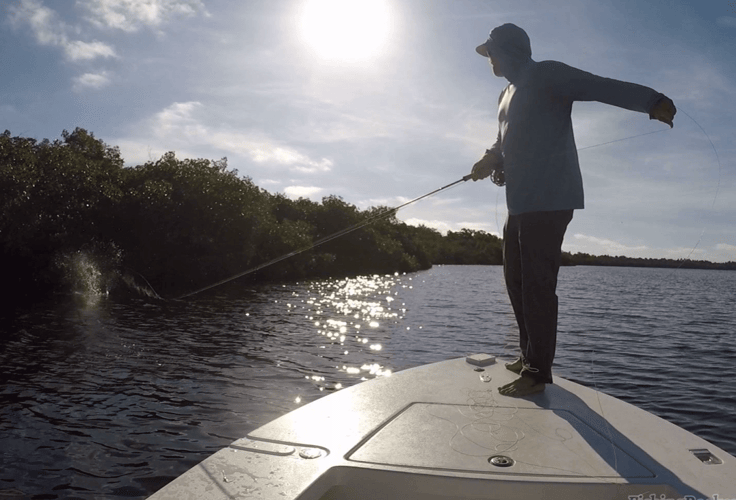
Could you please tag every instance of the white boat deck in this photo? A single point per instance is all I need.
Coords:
(443, 431)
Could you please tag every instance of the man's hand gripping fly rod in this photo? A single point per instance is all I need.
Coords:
(490, 165)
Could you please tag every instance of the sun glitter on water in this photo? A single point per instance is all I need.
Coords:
(346, 314)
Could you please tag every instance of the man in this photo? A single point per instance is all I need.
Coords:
(536, 158)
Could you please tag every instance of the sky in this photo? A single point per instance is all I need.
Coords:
(382, 101)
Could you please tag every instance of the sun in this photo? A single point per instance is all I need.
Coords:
(346, 30)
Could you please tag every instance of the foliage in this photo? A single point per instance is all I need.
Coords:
(56, 197)
(471, 247)
(184, 224)
(584, 259)
(73, 214)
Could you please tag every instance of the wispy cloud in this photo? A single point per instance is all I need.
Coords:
(83, 51)
(440, 225)
(725, 247)
(182, 126)
(44, 22)
(683, 253)
(609, 247)
(131, 15)
(383, 202)
(302, 191)
(723, 252)
(604, 246)
(92, 81)
(50, 30)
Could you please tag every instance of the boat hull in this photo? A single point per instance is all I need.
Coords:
(443, 431)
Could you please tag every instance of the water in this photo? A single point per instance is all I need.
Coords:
(100, 399)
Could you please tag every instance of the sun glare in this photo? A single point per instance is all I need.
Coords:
(346, 30)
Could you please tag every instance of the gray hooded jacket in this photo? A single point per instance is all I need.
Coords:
(535, 135)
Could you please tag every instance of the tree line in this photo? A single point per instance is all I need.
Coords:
(180, 224)
(176, 225)
(584, 259)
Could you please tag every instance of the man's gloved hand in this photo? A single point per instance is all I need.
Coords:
(664, 110)
(490, 165)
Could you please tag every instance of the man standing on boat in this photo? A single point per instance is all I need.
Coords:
(536, 158)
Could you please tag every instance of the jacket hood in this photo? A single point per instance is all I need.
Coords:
(508, 42)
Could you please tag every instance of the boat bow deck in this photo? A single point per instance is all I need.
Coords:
(443, 431)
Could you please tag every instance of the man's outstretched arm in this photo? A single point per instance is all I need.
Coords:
(579, 85)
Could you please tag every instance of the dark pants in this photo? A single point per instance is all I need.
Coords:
(532, 249)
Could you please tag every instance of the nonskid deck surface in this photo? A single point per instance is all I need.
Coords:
(444, 431)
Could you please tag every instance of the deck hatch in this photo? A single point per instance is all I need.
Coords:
(462, 438)
(705, 456)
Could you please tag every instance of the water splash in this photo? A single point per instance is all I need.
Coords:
(83, 274)
(90, 273)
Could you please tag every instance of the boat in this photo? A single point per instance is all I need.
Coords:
(442, 431)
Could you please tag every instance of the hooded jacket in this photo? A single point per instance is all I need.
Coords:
(535, 134)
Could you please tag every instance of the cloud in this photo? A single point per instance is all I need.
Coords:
(131, 15)
(384, 202)
(609, 247)
(180, 126)
(52, 31)
(44, 22)
(603, 246)
(476, 226)
(439, 225)
(724, 252)
(301, 191)
(268, 182)
(91, 81)
(83, 51)
(178, 119)
(683, 253)
(725, 247)
(265, 151)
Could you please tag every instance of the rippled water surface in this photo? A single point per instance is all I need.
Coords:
(108, 400)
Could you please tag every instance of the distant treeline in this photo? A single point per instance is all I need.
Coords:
(72, 213)
(584, 259)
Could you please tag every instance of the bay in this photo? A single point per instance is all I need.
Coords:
(101, 399)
